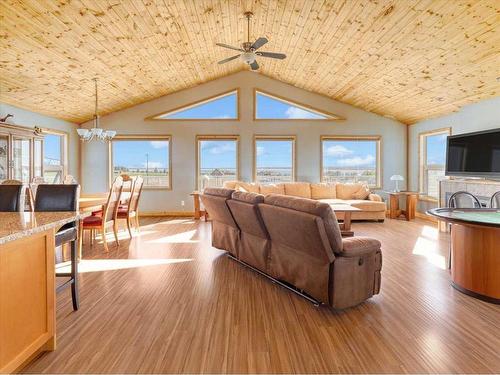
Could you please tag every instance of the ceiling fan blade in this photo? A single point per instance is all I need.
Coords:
(228, 59)
(259, 43)
(254, 65)
(272, 55)
(230, 47)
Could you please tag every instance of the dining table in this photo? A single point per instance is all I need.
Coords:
(96, 201)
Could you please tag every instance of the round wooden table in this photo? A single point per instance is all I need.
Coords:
(475, 250)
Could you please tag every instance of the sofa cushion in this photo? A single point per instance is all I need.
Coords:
(272, 189)
(220, 192)
(323, 190)
(247, 187)
(252, 198)
(347, 191)
(313, 207)
(366, 205)
(362, 193)
(298, 189)
(230, 184)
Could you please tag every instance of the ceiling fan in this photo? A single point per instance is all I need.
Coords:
(249, 50)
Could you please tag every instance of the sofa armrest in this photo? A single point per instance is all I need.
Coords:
(359, 246)
(374, 197)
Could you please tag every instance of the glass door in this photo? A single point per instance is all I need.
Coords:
(4, 157)
(21, 157)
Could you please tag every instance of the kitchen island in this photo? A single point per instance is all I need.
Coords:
(27, 284)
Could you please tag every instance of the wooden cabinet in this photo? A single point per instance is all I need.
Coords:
(27, 300)
(21, 153)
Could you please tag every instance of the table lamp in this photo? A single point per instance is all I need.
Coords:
(397, 178)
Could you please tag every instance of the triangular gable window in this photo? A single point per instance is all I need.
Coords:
(220, 107)
(269, 107)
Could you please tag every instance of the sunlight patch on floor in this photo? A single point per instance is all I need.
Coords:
(184, 237)
(99, 265)
(427, 246)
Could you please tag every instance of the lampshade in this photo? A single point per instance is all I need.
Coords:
(397, 177)
(82, 132)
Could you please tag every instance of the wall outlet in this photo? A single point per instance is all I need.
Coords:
(182, 203)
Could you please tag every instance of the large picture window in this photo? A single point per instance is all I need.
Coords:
(274, 159)
(432, 155)
(148, 157)
(54, 157)
(351, 159)
(217, 160)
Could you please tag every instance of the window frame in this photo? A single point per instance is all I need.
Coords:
(422, 157)
(139, 137)
(262, 137)
(215, 137)
(199, 102)
(64, 149)
(330, 116)
(379, 145)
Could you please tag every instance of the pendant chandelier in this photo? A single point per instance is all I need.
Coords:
(96, 132)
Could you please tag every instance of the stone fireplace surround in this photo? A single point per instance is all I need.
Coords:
(482, 189)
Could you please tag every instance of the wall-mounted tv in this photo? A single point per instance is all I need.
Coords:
(474, 154)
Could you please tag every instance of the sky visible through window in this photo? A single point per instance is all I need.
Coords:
(436, 149)
(274, 154)
(274, 160)
(273, 108)
(350, 161)
(218, 154)
(349, 154)
(140, 154)
(52, 149)
(218, 108)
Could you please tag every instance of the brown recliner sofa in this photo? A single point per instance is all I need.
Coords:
(296, 241)
(225, 232)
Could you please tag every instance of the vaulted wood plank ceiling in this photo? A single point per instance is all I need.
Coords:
(408, 59)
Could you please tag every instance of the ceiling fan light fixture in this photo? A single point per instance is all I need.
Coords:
(248, 57)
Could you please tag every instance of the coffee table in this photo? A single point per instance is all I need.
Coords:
(345, 227)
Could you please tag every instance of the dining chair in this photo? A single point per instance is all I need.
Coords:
(59, 197)
(130, 211)
(461, 199)
(11, 198)
(26, 195)
(495, 200)
(108, 216)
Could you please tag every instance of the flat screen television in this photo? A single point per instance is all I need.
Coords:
(474, 154)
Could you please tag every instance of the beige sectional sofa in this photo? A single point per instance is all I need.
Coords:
(357, 195)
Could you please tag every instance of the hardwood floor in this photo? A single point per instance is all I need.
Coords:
(167, 302)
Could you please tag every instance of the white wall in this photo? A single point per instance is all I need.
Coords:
(131, 121)
(23, 117)
(474, 117)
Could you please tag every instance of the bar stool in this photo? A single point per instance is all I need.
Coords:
(11, 198)
(50, 198)
(495, 200)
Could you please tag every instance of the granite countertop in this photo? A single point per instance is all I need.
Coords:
(16, 225)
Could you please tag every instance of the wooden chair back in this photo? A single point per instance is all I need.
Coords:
(111, 207)
(133, 203)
